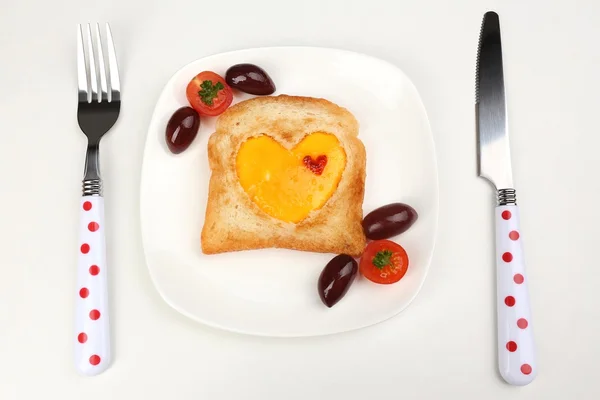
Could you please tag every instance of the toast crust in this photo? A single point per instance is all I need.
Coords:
(233, 222)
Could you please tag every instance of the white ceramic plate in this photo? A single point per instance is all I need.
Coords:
(273, 292)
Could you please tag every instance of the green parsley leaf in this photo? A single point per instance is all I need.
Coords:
(209, 91)
(382, 259)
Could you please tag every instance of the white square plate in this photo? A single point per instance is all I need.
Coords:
(273, 292)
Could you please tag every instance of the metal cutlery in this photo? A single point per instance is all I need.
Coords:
(516, 352)
(97, 111)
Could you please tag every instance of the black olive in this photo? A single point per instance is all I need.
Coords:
(336, 278)
(182, 128)
(389, 220)
(250, 78)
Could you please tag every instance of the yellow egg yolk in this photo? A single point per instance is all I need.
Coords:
(289, 184)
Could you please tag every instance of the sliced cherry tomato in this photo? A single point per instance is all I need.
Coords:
(384, 261)
(209, 94)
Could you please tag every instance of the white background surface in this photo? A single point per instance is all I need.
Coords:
(444, 344)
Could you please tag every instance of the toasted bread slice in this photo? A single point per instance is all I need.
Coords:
(234, 222)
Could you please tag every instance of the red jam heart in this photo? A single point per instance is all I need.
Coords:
(316, 166)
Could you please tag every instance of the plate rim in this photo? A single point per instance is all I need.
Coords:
(436, 201)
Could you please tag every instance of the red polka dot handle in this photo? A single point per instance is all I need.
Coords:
(516, 352)
(92, 335)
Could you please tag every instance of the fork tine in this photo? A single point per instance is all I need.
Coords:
(103, 87)
(113, 70)
(82, 82)
(92, 63)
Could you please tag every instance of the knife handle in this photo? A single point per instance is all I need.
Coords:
(92, 336)
(516, 352)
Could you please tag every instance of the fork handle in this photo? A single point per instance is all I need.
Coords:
(92, 334)
(516, 353)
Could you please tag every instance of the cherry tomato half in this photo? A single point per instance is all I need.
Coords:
(384, 261)
(209, 94)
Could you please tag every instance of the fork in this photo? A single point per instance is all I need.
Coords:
(97, 112)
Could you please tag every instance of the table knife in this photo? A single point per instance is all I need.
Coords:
(516, 352)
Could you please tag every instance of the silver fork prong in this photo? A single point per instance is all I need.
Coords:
(82, 82)
(113, 70)
(103, 87)
(92, 64)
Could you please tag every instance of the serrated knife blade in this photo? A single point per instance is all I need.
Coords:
(516, 352)
(492, 128)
